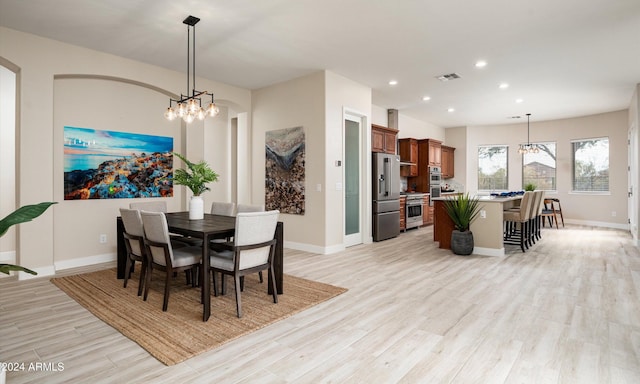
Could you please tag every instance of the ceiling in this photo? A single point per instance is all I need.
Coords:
(562, 58)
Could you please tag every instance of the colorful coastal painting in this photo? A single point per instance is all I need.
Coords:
(114, 165)
(284, 182)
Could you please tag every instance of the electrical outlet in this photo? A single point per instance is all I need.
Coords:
(103, 238)
(613, 213)
(483, 214)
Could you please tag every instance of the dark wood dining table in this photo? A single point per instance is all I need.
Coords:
(211, 227)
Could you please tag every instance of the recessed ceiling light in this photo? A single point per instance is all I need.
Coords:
(503, 85)
(519, 101)
(426, 98)
(393, 82)
(451, 110)
(481, 64)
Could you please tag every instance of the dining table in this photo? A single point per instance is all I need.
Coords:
(208, 228)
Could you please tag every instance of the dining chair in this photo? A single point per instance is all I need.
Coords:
(252, 250)
(250, 208)
(161, 206)
(150, 206)
(223, 209)
(134, 244)
(163, 256)
(551, 211)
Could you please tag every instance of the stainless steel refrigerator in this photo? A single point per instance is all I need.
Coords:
(386, 196)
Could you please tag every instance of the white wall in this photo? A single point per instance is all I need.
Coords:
(316, 102)
(408, 127)
(41, 120)
(7, 159)
(591, 209)
(634, 122)
(295, 103)
(344, 94)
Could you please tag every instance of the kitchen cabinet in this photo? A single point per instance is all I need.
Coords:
(403, 204)
(383, 139)
(435, 152)
(427, 211)
(447, 161)
(408, 154)
(429, 155)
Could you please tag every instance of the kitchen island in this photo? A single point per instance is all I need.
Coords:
(487, 228)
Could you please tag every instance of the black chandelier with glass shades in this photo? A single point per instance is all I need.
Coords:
(528, 148)
(189, 106)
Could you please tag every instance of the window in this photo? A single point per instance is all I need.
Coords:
(539, 168)
(492, 167)
(591, 165)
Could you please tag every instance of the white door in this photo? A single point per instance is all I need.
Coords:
(352, 175)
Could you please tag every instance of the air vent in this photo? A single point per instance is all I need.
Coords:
(514, 117)
(450, 76)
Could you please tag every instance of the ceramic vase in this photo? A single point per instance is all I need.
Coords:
(196, 208)
(462, 242)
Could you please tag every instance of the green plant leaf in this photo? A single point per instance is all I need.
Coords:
(195, 177)
(463, 210)
(6, 268)
(22, 215)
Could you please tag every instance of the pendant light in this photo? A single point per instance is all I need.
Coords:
(189, 106)
(528, 148)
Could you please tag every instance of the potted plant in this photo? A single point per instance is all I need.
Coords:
(21, 215)
(195, 177)
(462, 209)
(530, 187)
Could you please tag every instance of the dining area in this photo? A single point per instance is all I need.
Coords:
(234, 240)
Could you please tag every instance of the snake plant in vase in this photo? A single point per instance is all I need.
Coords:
(195, 177)
(21, 215)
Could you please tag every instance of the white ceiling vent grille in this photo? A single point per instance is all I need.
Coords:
(447, 77)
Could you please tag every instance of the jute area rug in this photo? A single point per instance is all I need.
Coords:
(178, 334)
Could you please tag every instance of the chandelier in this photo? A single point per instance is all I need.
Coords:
(528, 148)
(189, 106)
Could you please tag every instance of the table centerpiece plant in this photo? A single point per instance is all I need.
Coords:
(463, 210)
(195, 177)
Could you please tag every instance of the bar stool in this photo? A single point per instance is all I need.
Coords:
(518, 224)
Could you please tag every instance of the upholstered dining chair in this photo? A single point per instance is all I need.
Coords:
(150, 206)
(250, 208)
(517, 225)
(223, 209)
(162, 255)
(161, 206)
(242, 208)
(134, 244)
(252, 250)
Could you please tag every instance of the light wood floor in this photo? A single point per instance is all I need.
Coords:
(567, 311)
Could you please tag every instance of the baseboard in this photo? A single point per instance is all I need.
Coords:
(8, 257)
(85, 261)
(590, 223)
(314, 248)
(488, 251)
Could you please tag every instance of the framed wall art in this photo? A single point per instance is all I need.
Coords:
(112, 165)
(284, 181)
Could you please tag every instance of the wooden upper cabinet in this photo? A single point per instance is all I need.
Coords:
(408, 154)
(435, 152)
(447, 162)
(383, 139)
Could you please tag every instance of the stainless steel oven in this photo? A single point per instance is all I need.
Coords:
(413, 210)
(435, 182)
